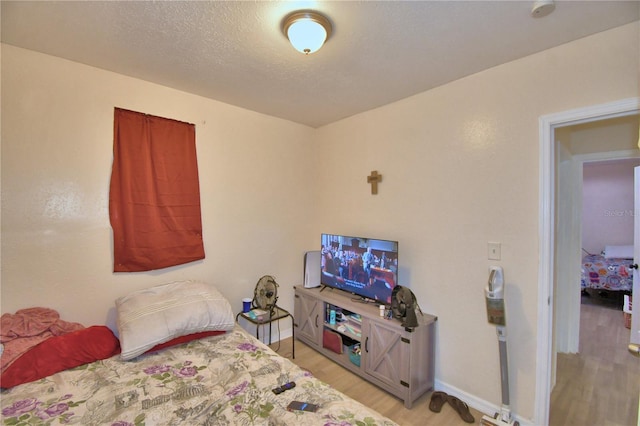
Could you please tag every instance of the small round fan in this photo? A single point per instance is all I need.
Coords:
(404, 306)
(265, 294)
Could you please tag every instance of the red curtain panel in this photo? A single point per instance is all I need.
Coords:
(154, 197)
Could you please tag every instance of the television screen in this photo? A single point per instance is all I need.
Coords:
(362, 266)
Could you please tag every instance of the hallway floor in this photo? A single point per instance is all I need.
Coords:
(599, 385)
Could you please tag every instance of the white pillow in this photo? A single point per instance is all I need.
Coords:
(621, 252)
(155, 315)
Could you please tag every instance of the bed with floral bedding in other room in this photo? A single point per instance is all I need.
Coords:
(225, 378)
(610, 270)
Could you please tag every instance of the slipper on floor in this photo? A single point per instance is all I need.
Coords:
(437, 401)
(462, 409)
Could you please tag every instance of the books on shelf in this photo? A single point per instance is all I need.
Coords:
(356, 317)
(346, 329)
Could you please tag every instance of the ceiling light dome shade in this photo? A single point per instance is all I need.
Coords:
(307, 30)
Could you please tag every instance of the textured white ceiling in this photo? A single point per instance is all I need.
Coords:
(235, 52)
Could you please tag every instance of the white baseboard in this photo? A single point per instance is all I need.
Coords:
(479, 404)
(263, 332)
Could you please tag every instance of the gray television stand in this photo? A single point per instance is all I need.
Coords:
(399, 361)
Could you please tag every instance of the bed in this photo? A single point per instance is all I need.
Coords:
(610, 270)
(226, 378)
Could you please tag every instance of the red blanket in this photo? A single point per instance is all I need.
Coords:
(26, 328)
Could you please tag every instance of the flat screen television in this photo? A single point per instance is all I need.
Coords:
(365, 267)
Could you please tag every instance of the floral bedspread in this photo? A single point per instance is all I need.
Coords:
(221, 380)
(603, 273)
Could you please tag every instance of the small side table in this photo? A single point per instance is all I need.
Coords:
(275, 315)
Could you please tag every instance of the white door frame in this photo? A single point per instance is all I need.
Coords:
(634, 338)
(546, 231)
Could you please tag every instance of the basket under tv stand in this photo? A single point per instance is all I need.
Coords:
(396, 359)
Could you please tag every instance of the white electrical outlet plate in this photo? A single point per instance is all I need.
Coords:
(494, 251)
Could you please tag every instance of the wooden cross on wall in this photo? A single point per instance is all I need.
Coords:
(373, 179)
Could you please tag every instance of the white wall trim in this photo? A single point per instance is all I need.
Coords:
(479, 404)
(547, 124)
(607, 156)
(567, 252)
(278, 331)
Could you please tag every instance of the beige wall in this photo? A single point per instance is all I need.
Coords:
(460, 167)
(607, 215)
(57, 137)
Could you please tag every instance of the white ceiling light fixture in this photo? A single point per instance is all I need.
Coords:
(542, 8)
(306, 30)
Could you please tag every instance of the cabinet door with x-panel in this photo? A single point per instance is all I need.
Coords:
(309, 324)
(387, 352)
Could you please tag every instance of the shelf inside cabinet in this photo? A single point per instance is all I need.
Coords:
(346, 329)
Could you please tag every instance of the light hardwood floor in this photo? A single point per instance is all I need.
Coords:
(370, 395)
(599, 385)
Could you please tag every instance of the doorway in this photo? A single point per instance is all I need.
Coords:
(550, 152)
(608, 145)
(591, 343)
